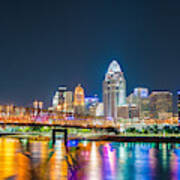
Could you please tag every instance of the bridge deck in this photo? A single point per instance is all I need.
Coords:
(88, 126)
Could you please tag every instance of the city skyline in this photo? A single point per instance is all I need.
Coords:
(46, 45)
(100, 96)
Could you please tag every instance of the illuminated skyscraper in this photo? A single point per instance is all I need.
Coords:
(79, 100)
(139, 102)
(55, 100)
(178, 106)
(161, 105)
(59, 99)
(68, 102)
(114, 90)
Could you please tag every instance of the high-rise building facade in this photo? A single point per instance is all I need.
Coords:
(161, 105)
(139, 100)
(63, 100)
(114, 90)
(178, 106)
(68, 101)
(59, 99)
(79, 100)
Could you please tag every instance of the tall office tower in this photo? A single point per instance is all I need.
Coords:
(68, 103)
(79, 101)
(114, 90)
(55, 100)
(178, 105)
(59, 99)
(161, 105)
(139, 98)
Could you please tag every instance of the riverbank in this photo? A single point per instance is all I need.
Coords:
(116, 138)
(102, 137)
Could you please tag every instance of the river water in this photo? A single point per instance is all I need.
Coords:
(25, 160)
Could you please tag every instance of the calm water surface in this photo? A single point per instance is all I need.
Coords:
(25, 160)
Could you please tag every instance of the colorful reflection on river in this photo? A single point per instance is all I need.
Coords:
(26, 160)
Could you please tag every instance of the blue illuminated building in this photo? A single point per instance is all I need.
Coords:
(91, 101)
(141, 92)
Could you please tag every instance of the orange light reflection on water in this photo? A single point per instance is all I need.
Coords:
(12, 162)
(58, 167)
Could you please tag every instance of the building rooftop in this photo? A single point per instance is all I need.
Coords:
(114, 67)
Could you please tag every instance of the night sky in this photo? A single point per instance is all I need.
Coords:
(45, 44)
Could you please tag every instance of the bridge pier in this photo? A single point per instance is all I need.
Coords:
(54, 136)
